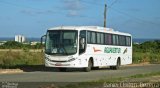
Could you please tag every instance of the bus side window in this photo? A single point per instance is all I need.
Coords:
(122, 40)
(108, 39)
(114, 39)
(98, 38)
(93, 37)
(102, 38)
(128, 41)
(88, 37)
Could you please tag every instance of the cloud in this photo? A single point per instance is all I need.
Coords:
(134, 10)
(74, 14)
(33, 12)
(73, 7)
(34, 0)
(7, 18)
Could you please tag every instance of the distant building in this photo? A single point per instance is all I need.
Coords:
(2, 42)
(34, 43)
(19, 38)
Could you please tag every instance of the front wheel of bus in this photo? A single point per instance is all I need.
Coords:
(87, 69)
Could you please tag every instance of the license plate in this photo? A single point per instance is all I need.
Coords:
(58, 64)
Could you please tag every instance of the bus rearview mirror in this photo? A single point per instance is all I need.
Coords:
(44, 36)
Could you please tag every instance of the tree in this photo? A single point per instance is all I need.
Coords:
(12, 44)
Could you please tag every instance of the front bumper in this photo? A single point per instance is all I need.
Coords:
(73, 64)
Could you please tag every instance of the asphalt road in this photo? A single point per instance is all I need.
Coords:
(77, 76)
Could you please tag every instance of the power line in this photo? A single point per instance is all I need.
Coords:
(18, 5)
(133, 17)
(99, 4)
(114, 2)
(89, 2)
(120, 12)
(24, 6)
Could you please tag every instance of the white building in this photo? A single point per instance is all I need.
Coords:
(2, 42)
(19, 38)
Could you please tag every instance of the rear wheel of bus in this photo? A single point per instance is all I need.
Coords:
(117, 65)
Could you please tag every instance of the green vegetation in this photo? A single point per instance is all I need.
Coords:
(23, 57)
(102, 83)
(146, 52)
(140, 57)
(9, 59)
(120, 79)
(144, 75)
(17, 45)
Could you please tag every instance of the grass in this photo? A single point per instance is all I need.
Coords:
(11, 58)
(139, 57)
(101, 83)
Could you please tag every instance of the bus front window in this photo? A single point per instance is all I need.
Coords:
(61, 42)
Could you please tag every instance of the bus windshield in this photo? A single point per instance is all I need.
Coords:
(61, 42)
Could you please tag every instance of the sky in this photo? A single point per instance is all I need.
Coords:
(32, 18)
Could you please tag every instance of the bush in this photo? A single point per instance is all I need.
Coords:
(17, 45)
(155, 58)
(140, 57)
(147, 52)
(12, 45)
(10, 58)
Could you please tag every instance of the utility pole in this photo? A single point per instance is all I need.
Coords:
(105, 15)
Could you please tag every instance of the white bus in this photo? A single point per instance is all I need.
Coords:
(87, 47)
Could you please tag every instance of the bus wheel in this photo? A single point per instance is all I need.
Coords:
(87, 69)
(111, 67)
(117, 65)
(62, 69)
(95, 68)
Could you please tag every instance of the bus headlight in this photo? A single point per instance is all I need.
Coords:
(47, 58)
(71, 59)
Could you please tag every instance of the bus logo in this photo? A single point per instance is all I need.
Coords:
(112, 50)
(96, 50)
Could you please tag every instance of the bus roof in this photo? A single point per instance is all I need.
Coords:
(90, 28)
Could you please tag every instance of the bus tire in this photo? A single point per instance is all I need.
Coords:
(111, 67)
(95, 68)
(88, 69)
(117, 65)
(62, 69)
